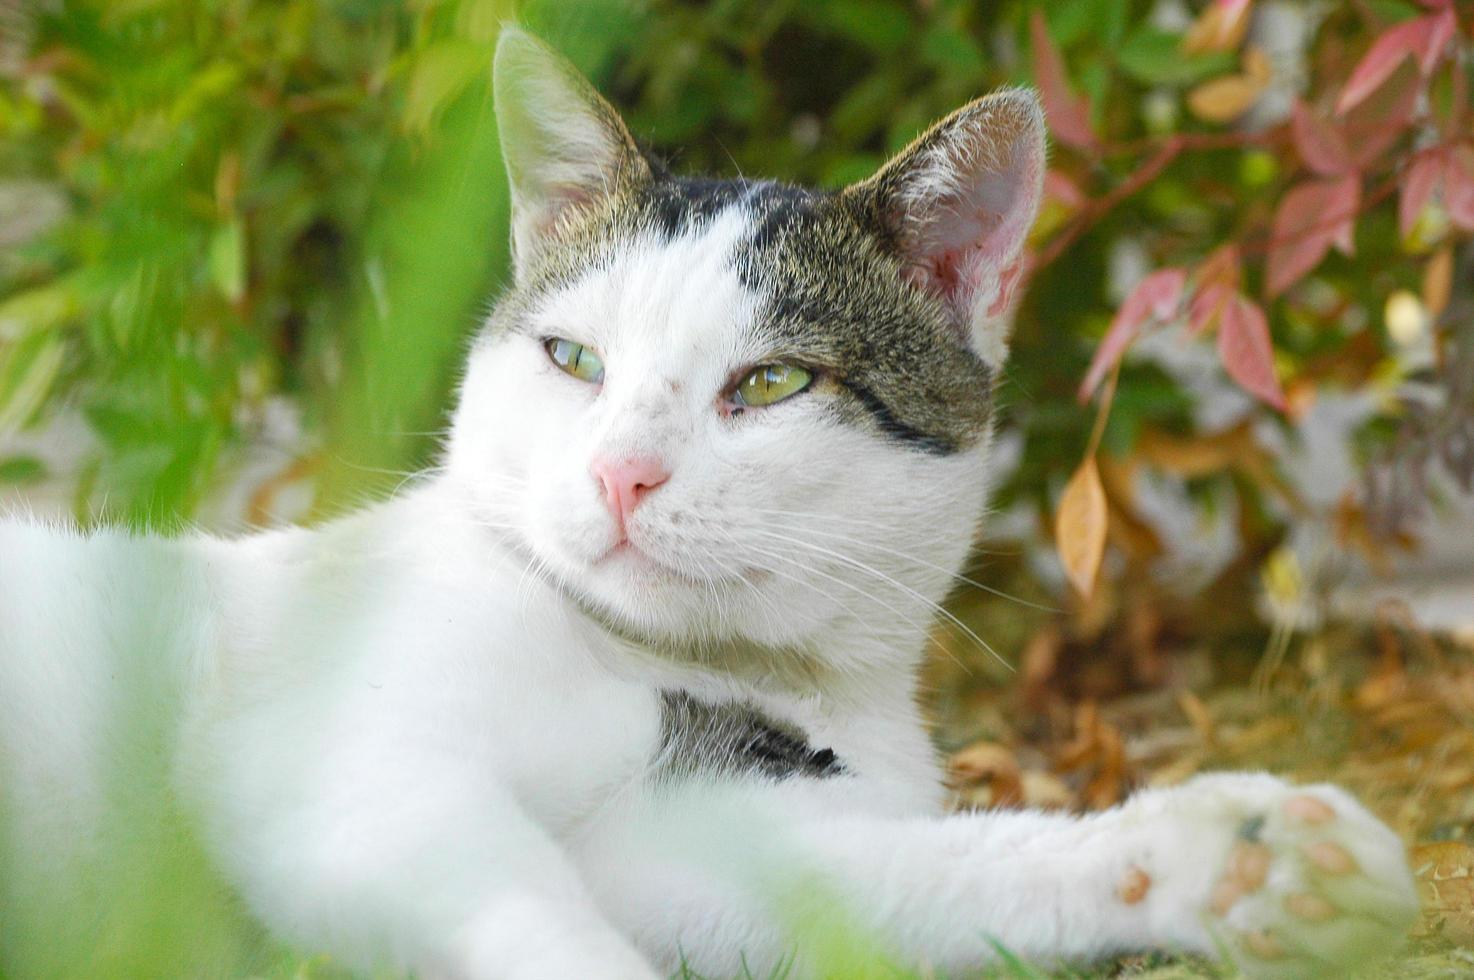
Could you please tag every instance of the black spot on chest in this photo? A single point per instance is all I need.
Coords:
(734, 739)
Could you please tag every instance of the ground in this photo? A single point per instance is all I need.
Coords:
(1143, 697)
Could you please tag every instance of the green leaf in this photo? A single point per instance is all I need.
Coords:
(851, 169)
(1154, 57)
(441, 72)
(228, 259)
(22, 469)
(879, 25)
(215, 80)
(38, 309)
(864, 108)
(952, 52)
(28, 369)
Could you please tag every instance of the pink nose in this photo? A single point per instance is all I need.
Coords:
(626, 481)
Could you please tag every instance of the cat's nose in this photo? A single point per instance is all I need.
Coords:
(626, 481)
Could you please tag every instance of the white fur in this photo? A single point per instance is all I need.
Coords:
(405, 744)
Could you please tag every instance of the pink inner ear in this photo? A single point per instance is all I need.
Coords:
(967, 248)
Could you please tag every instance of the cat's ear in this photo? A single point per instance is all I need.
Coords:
(565, 147)
(957, 205)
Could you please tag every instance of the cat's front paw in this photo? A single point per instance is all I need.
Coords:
(1310, 884)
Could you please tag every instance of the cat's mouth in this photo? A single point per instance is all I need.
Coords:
(626, 557)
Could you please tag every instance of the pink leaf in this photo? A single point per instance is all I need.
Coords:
(1158, 296)
(1320, 144)
(1313, 216)
(1066, 114)
(1245, 349)
(1417, 186)
(1439, 34)
(1410, 38)
(1162, 291)
(1207, 303)
(1377, 122)
(1059, 187)
(1221, 266)
(1458, 186)
(1214, 280)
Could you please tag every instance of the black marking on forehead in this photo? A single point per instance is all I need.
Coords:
(675, 205)
(734, 739)
(834, 293)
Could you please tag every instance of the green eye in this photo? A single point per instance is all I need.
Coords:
(576, 359)
(769, 384)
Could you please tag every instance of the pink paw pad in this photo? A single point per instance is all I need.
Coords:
(1308, 809)
(1134, 885)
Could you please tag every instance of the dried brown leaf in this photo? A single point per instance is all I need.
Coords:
(1445, 873)
(1438, 281)
(1080, 528)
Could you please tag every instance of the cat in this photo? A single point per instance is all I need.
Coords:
(628, 683)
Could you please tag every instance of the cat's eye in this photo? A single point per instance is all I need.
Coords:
(575, 359)
(769, 384)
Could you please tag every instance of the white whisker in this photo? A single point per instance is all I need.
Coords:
(861, 566)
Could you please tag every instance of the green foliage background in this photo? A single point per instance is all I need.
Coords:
(305, 197)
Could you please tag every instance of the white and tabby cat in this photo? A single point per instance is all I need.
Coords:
(630, 680)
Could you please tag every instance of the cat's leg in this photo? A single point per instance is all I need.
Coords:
(436, 872)
(1289, 881)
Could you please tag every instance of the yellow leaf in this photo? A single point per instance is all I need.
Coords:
(1283, 579)
(1438, 281)
(1224, 99)
(1220, 27)
(1080, 527)
(1257, 66)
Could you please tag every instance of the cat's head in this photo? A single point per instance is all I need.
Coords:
(737, 409)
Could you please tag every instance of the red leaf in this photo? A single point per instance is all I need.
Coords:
(1458, 186)
(1320, 144)
(1313, 216)
(1410, 38)
(1067, 114)
(1158, 296)
(1417, 186)
(1245, 349)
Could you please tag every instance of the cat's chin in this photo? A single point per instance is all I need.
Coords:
(650, 598)
(642, 569)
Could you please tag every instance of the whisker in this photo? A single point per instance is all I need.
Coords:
(861, 566)
(804, 529)
(849, 585)
(857, 523)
